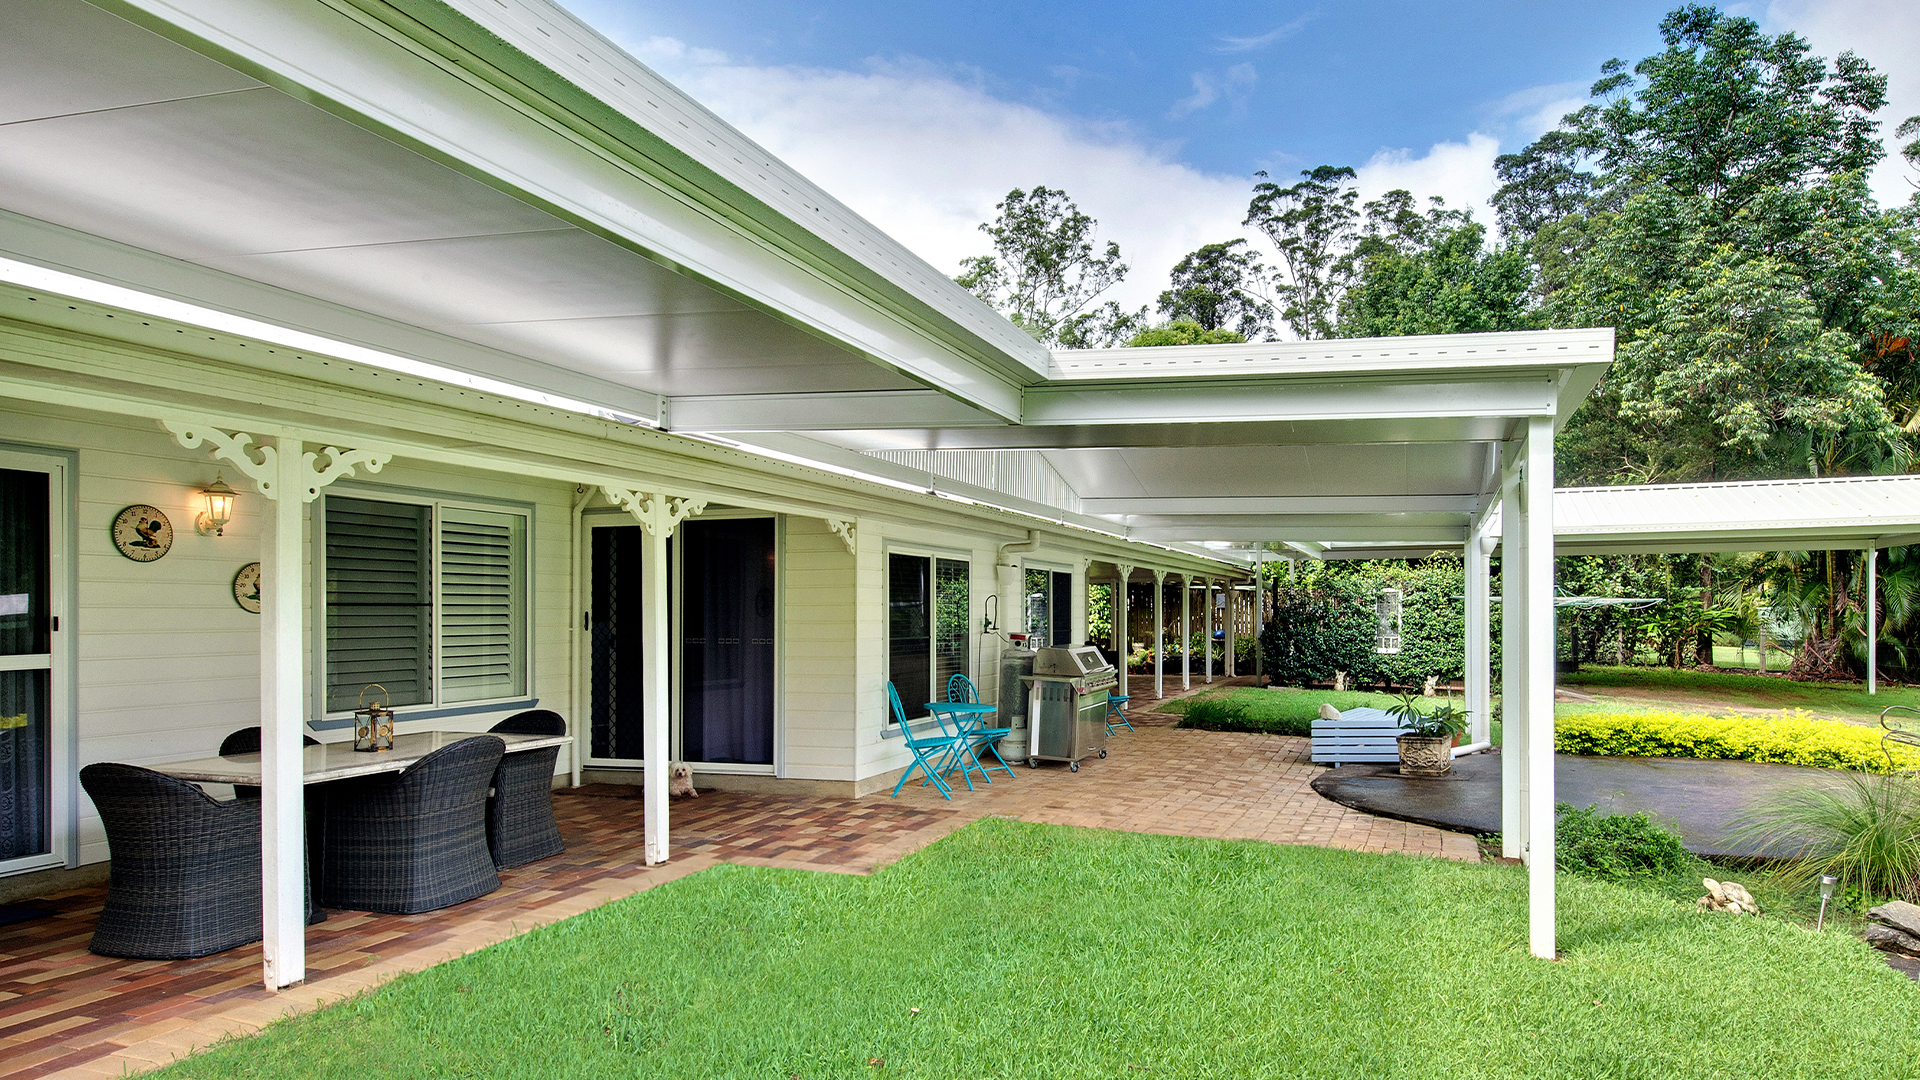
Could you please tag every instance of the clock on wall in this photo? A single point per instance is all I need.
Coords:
(246, 587)
(142, 533)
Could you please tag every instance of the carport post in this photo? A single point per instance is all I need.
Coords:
(1478, 669)
(1513, 669)
(1873, 617)
(1159, 635)
(1536, 521)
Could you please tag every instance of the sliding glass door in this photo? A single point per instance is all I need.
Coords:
(31, 535)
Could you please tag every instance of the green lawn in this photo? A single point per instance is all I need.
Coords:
(1021, 950)
(1282, 710)
(1733, 691)
(1735, 656)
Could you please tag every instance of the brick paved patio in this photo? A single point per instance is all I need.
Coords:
(64, 1011)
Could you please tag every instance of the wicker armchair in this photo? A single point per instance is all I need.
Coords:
(520, 825)
(415, 840)
(185, 876)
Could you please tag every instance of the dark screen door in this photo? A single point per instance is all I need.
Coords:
(613, 631)
(726, 641)
(26, 664)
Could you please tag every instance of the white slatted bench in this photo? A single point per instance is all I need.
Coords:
(1360, 736)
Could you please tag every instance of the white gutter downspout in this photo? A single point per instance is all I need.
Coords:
(1006, 564)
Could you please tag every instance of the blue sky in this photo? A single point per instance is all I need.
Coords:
(1154, 116)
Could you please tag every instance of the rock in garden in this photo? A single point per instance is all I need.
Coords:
(1328, 712)
(1728, 896)
(1887, 939)
(1898, 914)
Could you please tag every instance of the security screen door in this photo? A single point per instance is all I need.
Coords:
(724, 618)
(27, 518)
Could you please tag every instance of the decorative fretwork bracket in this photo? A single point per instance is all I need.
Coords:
(848, 532)
(658, 514)
(238, 450)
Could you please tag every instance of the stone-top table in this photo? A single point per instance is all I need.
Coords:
(340, 761)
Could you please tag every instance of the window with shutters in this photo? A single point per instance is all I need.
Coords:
(426, 599)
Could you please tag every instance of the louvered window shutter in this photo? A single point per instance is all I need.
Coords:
(378, 609)
(482, 624)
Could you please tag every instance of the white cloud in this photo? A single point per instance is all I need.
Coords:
(1887, 34)
(1208, 88)
(1459, 172)
(925, 153)
(1525, 115)
(1261, 41)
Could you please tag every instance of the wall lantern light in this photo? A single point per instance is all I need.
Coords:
(219, 509)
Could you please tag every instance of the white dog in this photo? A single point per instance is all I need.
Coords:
(680, 781)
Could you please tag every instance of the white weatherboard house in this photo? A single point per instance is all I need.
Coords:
(540, 385)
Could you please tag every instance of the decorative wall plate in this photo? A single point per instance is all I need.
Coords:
(142, 533)
(246, 587)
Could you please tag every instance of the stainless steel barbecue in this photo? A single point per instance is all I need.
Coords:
(1067, 705)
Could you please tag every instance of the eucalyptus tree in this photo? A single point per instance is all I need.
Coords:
(1220, 287)
(1312, 224)
(1046, 270)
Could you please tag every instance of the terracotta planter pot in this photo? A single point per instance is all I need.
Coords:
(1424, 755)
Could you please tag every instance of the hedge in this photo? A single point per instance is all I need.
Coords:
(1793, 739)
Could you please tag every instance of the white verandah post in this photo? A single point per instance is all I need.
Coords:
(659, 515)
(1159, 635)
(1206, 632)
(1232, 634)
(283, 827)
(1186, 632)
(1121, 646)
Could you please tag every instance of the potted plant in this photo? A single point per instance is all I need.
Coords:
(1426, 747)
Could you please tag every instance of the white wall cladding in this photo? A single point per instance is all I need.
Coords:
(167, 663)
(1024, 474)
(820, 653)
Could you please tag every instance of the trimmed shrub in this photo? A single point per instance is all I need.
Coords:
(1794, 739)
(1615, 845)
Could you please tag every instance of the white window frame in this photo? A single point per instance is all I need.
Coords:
(932, 555)
(436, 502)
(1053, 605)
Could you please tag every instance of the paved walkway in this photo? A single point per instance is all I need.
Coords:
(64, 1011)
(1701, 800)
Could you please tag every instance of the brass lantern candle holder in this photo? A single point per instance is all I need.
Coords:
(372, 723)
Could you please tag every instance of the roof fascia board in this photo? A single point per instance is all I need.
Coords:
(54, 247)
(1454, 536)
(746, 413)
(1348, 357)
(433, 80)
(1280, 401)
(1281, 504)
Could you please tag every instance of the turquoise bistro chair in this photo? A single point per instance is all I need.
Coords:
(961, 689)
(928, 749)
